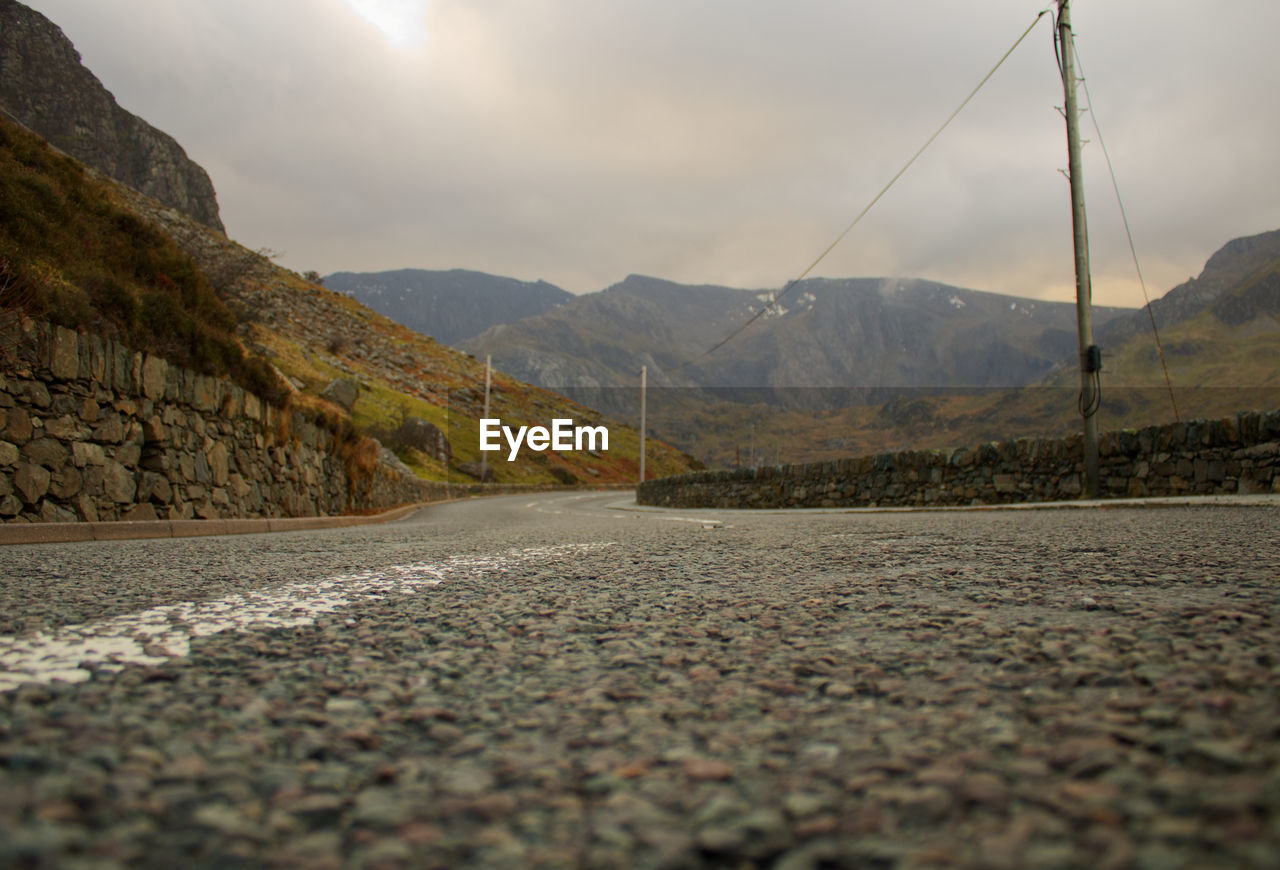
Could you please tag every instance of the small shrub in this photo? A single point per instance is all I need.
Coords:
(15, 300)
(324, 414)
(563, 475)
(161, 315)
(113, 299)
(360, 456)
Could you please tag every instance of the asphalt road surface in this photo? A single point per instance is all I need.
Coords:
(569, 681)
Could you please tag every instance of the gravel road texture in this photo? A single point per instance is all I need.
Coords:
(562, 681)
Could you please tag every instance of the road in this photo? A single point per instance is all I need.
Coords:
(570, 681)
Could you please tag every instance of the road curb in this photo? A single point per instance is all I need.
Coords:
(61, 533)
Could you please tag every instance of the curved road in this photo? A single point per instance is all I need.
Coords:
(570, 681)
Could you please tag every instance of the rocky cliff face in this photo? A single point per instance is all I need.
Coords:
(44, 86)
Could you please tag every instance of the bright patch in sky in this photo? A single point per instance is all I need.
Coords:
(401, 21)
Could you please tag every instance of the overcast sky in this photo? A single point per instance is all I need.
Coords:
(705, 141)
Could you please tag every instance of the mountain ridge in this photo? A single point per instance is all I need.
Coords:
(449, 305)
(853, 333)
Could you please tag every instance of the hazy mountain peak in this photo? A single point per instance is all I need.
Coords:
(450, 305)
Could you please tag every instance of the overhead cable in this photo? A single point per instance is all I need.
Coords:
(794, 281)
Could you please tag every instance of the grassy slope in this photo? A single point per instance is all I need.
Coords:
(71, 254)
(406, 374)
(84, 252)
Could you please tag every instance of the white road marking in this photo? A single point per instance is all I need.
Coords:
(153, 636)
(628, 507)
(704, 522)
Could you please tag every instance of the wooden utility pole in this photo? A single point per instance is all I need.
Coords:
(1090, 358)
(644, 386)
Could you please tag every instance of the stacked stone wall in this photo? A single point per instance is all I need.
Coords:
(93, 431)
(1238, 454)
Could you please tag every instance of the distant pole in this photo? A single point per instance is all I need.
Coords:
(644, 388)
(1089, 358)
(488, 373)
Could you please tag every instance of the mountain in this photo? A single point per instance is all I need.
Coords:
(827, 342)
(862, 366)
(44, 87)
(448, 305)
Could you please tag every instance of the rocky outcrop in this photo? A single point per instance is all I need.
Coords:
(44, 86)
(426, 437)
(343, 392)
(479, 470)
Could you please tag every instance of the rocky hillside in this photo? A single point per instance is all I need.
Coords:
(1225, 270)
(827, 343)
(451, 305)
(44, 87)
(394, 380)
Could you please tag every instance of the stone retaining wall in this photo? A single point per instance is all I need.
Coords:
(1238, 454)
(91, 430)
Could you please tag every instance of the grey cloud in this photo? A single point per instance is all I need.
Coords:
(711, 141)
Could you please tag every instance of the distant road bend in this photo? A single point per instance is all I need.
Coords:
(566, 680)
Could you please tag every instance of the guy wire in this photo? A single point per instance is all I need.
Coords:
(1133, 251)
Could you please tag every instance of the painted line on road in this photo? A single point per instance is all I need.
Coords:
(153, 637)
(624, 506)
(701, 522)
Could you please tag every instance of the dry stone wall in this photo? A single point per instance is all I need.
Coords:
(1238, 454)
(92, 431)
